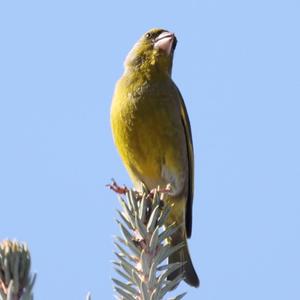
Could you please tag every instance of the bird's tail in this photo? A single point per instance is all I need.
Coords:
(183, 255)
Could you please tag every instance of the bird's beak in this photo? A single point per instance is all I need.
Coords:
(166, 42)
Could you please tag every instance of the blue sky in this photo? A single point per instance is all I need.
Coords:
(238, 67)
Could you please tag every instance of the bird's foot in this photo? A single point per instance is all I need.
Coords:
(165, 190)
(122, 190)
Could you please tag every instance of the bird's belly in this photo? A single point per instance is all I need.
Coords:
(150, 148)
(146, 149)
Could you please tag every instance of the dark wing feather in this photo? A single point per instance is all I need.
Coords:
(190, 150)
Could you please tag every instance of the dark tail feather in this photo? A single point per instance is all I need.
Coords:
(182, 255)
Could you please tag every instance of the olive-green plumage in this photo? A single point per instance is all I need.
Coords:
(152, 132)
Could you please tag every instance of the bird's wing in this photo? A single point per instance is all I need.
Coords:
(190, 150)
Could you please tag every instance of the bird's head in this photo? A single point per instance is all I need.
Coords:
(153, 52)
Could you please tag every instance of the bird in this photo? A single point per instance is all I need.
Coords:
(152, 133)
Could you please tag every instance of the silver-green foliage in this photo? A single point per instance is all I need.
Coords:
(16, 282)
(144, 248)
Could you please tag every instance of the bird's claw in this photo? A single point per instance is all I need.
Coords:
(116, 188)
(165, 190)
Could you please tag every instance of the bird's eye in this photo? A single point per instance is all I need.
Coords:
(148, 35)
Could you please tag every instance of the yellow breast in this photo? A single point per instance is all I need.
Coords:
(147, 130)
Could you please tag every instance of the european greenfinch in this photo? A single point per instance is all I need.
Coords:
(152, 133)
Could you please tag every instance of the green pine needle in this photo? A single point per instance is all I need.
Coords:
(144, 247)
(16, 283)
